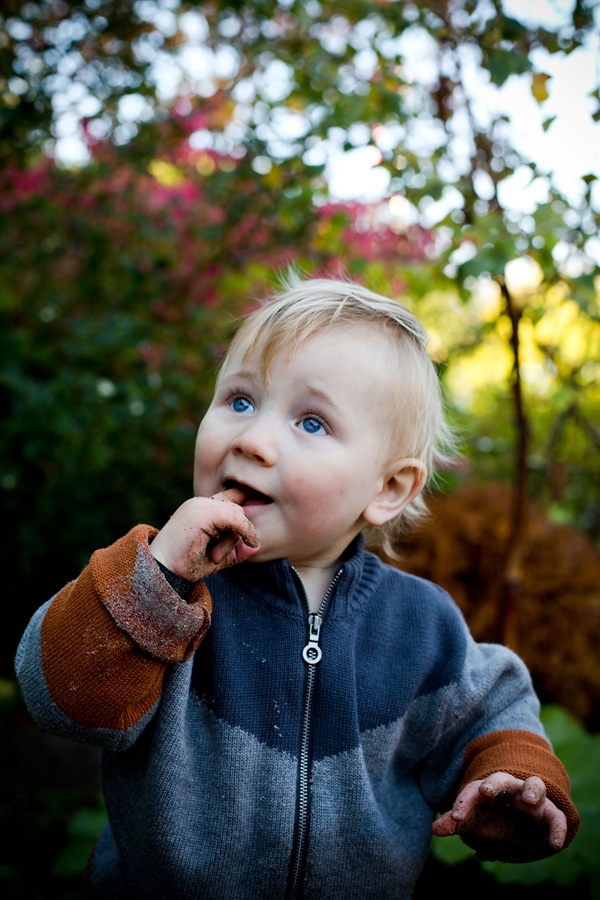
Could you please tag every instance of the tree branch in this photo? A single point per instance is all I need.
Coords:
(505, 588)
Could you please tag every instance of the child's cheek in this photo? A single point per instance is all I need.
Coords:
(317, 491)
(206, 461)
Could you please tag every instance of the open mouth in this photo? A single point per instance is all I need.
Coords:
(252, 497)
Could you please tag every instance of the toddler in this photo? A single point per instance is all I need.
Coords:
(281, 714)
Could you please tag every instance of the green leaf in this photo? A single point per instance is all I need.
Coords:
(451, 850)
(83, 830)
(512, 28)
(504, 63)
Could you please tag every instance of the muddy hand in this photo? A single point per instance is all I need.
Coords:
(206, 534)
(219, 546)
(502, 810)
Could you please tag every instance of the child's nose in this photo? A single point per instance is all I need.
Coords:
(255, 442)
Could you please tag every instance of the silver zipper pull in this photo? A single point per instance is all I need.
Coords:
(312, 652)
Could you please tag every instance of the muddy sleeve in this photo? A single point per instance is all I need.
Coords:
(92, 661)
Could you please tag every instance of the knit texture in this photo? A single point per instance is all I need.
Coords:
(202, 793)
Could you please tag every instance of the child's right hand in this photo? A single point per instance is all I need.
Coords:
(204, 535)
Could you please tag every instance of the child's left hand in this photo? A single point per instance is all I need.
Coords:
(500, 812)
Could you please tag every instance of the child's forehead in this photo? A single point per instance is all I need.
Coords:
(260, 350)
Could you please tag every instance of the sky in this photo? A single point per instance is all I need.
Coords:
(571, 146)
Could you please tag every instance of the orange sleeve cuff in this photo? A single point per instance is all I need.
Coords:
(131, 587)
(522, 754)
(108, 637)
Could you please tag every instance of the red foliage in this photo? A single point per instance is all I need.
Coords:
(23, 183)
(366, 237)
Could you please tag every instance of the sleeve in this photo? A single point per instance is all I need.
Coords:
(481, 715)
(92, 661)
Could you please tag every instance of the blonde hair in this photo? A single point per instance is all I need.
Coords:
(309, 307)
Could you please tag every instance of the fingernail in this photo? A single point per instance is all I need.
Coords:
(556, 842)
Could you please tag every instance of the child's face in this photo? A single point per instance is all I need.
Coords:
(311, 444)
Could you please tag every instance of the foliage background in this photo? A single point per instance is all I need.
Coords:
(207, 129)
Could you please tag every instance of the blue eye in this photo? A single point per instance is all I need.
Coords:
(312, 426)
(241, 405)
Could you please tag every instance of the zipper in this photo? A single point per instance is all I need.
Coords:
(312, 656)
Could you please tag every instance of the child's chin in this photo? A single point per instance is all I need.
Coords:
(263, 554)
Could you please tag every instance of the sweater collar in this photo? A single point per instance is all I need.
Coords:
(277, 583)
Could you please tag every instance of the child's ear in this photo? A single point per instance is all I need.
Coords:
(405, 479)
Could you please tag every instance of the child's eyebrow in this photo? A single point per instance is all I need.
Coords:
(318, 393)
(324, 399)
(242, 374)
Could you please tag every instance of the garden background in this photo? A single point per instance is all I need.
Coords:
(162, 164)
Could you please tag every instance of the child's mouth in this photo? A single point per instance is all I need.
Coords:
(252, 498)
